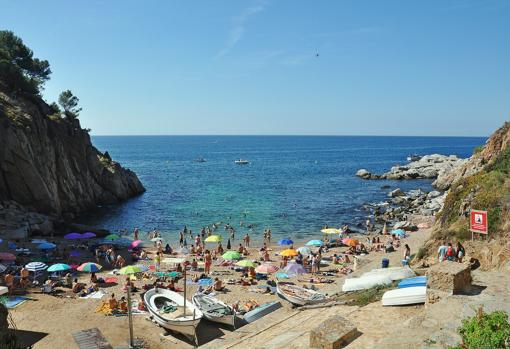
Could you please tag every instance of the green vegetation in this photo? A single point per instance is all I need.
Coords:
(478, 149)
(364, 297)
(69, 103)
(19, 70)
(485, 331)
(488, 190)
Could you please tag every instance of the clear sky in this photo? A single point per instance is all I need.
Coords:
(250, 67)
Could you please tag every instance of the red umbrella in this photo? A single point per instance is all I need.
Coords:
(6, 256)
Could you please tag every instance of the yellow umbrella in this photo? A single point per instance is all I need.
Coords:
(331, 231)
(289, 253)
(213, 238)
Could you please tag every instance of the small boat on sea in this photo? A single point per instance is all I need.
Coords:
(215, 310)
(173, 312)
(241, 162)
(298, 295)
(413, 282)
(200, 159)
(405, 296)
(261, 311)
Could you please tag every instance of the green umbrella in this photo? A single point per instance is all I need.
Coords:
(246, 263)
(59, 267)
(112, 237)
(172, 274)
(231, 255)
(130, 269)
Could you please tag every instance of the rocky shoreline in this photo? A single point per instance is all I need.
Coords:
(396, 212)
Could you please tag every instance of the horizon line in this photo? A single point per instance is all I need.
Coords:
(277, 135)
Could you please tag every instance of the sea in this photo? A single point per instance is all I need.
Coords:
(293, 185)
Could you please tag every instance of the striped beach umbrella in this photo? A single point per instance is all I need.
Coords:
(59, 267)
(266, 268)
(89, 267)
(36, 266)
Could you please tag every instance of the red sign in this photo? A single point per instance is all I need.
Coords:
(479, 222)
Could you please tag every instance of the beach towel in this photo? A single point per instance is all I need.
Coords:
(95, 295)
(14, 301)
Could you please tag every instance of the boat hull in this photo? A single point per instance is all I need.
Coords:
(299, 301)
(227, 319)
(261, 311)
(405, 296)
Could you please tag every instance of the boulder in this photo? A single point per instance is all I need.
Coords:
(449, 277)
(395, 193)
(336, 332)
(363, 174)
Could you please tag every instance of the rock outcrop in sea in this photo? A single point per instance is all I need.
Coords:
(49, 166)
(427, 167)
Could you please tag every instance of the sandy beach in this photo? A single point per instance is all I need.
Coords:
(59, 316)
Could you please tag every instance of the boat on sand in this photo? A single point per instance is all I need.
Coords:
(405, 296)
(298, 295)
(215, 310)
(413, 282)
(261, 311)
(172, 311)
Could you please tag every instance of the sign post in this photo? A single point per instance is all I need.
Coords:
(478, 222)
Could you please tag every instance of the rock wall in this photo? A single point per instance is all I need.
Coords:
(49, 165)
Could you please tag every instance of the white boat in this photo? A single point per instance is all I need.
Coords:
(241, 162)
(215, 310)
(397, 273)
(200, 160)
(183, 320)
(365, 282)
(298, 295)
(405, 296)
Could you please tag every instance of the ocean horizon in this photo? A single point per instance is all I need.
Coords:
(293, 185)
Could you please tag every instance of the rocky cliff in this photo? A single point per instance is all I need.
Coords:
(49, 165)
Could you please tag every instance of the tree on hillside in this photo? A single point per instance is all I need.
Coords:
(19, 70)
(69, 103)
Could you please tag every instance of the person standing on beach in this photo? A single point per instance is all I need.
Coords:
(461, 252)
(135, 233)
(207, 261)
(407, 255)
(181, 238)
(247, 240)
(441, 252)
(157, 261)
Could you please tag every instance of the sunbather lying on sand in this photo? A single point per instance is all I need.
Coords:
(317, 281)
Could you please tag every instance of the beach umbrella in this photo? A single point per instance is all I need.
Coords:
(266, 268)
(315, 243)
(231, 255)
(72, 236)
(294, 268)
(46, 246)
(399, 232)
(157, 239)
(289, 253)
(205, 282)
(246, 263)
(285, 242)
(88, 235)
(36, 266)
(350, 242)
(6, 256)
(2, 268)
(89, 267)
(213, 238)
(59, 267)
(331, 231)
(135, 244)
(130, 269)
(111, 237)
(305, 251)
(75, 254)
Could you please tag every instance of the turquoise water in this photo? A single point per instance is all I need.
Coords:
(293, 185)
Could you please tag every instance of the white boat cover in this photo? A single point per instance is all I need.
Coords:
(365, 282)
(404, 296)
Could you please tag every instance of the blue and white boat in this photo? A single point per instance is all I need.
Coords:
(413, 282)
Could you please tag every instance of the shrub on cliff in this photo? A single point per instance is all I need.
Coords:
(485, 330)
(19, 70)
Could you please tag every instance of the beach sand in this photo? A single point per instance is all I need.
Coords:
(59, 316)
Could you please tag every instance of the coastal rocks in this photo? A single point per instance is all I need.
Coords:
(50, 166)
(395, 193)
(334, 333)
(427, 167)
(16, 222)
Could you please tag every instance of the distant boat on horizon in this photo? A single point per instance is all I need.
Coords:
(241, 162)
(200, 159)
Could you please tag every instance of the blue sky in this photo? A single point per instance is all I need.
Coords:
(250, 67)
